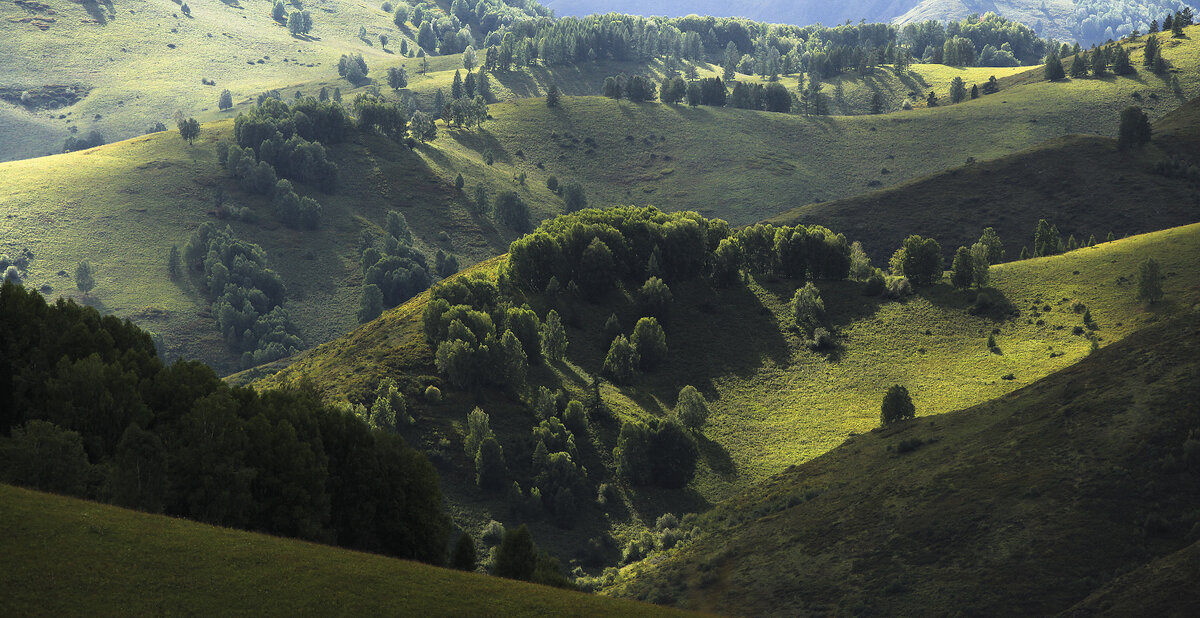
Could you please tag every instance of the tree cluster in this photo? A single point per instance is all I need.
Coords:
(247, 297)
(661, 453)
(399, 271)
(91, 411)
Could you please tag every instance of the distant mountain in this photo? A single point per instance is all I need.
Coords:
(800, 12)
(1089, 21)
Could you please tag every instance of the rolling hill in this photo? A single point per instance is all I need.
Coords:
(1026, 504)
(68, 556)
(1083, 184)
(138, 198)
(775, 401)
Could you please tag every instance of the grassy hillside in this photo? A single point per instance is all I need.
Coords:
(1165, 587)
(1022, 505)
(1083, 184)
(775, 402)
(124, 205)
(744, 166)
(66, 556)
(140, 64)
(139, 197)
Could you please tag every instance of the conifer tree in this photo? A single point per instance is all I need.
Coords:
(1054, 68)
(1134, 130)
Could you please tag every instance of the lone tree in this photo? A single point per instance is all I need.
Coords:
(897, 406)
(189, 129)
(1149, 281)
(552, 97)
(85, 279)
(225, 101)
(397, 77)
(691, 409)
(1135, 128)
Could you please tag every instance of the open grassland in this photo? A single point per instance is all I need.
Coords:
(1023, 505)
(63, 556)
(124, 205)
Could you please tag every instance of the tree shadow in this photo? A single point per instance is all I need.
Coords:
(717, 458)
(649, 503)
(479, 141)
(96, 9)
(93, 301)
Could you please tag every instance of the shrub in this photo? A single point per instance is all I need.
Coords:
(898, 287)
(433, 394)
(897, 406)
(875, 284)
(808, 309)
(822, 339)
(493, 533)
(690, 408)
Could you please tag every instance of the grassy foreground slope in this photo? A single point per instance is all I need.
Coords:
(1022, 505)
(64, 556)
(1083, 184)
